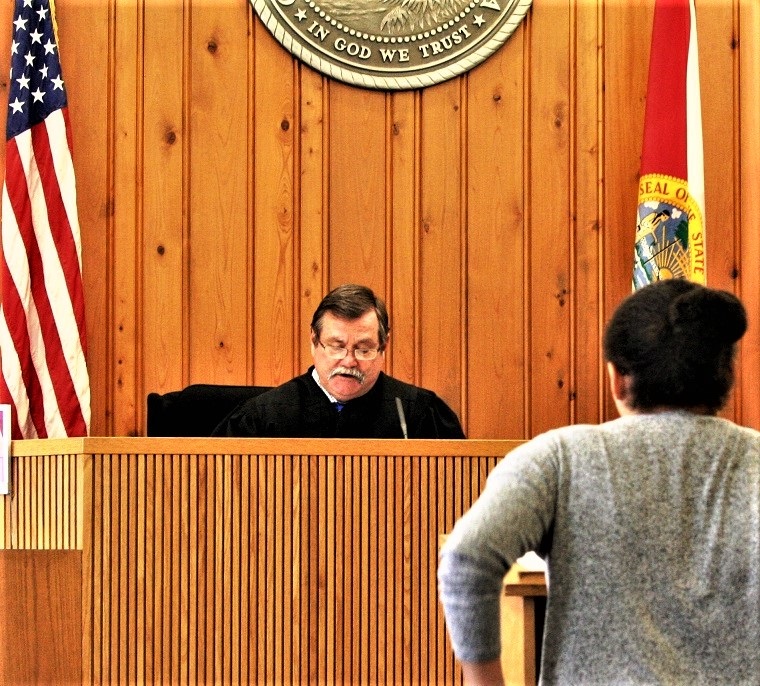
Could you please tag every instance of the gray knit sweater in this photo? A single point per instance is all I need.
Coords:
(650, 525)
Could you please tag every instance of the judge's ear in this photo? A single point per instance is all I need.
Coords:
(620, 387)
(313, 341)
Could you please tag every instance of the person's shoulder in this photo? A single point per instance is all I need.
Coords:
(571, 439)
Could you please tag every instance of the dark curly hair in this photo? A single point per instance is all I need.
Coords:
(351, 301)
(676, 340)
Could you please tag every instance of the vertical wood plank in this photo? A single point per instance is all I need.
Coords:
(219, 347)
(274, 164)
(404, 218)
(357, 168)
(587, 158)
(90, 94)
(313, 216)
(629, 28)
(442, 241)
(160, 249)
(496, 244)
(749, 242)
(550, 297)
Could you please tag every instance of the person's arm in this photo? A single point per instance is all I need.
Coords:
(511, 516)
(483, 673)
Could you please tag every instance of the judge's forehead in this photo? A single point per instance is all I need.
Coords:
(366, 326)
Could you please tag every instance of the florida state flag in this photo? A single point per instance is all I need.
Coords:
(670, 231)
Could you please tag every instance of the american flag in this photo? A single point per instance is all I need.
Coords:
(42, 327)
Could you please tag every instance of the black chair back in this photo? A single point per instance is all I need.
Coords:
(195, 410)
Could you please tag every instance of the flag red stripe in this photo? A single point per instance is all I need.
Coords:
(13, 306)
(63, 386)
(664, 150)
(5, 393)
(59, 225)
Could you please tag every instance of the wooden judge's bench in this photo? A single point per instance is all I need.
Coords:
(240, 561)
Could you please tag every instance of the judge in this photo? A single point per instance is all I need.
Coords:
(345, 393)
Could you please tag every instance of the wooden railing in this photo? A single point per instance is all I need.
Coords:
(261, 561)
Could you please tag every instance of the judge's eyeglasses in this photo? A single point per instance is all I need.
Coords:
(338, 352)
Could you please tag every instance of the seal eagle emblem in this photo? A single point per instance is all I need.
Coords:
(391, 44)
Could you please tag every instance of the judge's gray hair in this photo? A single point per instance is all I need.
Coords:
(350, 301)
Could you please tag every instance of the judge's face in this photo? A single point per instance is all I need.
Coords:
(353, 375)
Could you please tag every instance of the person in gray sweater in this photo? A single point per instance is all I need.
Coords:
(649, 524)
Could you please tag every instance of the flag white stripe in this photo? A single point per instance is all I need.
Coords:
(694, 146)
(64, 171)
(12, 370)
(58, 295)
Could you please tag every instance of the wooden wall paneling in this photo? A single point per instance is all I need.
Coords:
(162, 101)
(627, 32)
(41, 621)
(586, 95)
(494, 315)
(272, 269)
(312, 219)
(219, 158)
(749, 238)
(357, 194)
(402, 226)
(88, 88)
(719, 60)
(550, 249)
(442, 239)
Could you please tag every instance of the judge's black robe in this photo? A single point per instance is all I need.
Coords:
(299, 408)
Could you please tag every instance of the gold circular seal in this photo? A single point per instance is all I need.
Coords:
(391, 44)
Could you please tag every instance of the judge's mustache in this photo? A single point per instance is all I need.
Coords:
(348, 371)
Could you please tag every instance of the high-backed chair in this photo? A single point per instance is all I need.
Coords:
(195, 410)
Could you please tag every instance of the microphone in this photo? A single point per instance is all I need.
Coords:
(401, 417)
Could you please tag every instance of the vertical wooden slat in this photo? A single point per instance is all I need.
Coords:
(125, 638)
(246, 563)
(329, 507)
(496, 243)
(174, 497)
(371, 550)
(235, 594)
(90, 591)
(586, 380)
(748, 240)
(313, 217)
(91, 92)
(185, 554)
(255, 569)
(162, 84)
(285, 539)
(218, 344)
(141, 566)
(549, 201)
(442, 221)
(273, 270)
(205, 538)
(629, 28)
(357, 199)
(403, 215)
